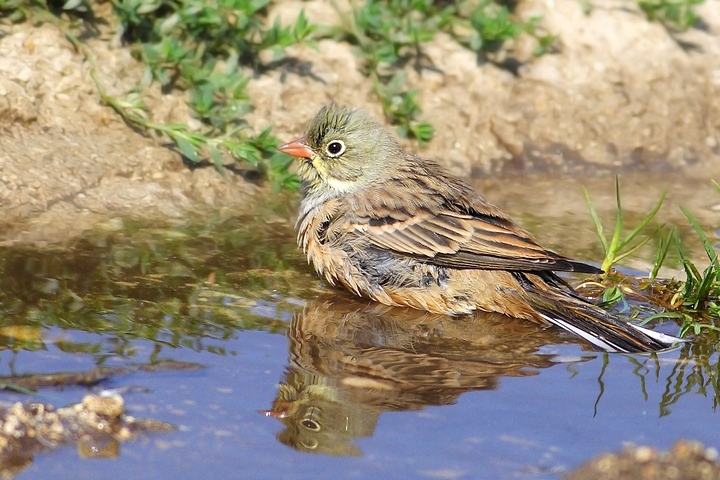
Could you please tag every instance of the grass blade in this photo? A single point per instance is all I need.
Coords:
(615, 244)
(712, 255)
(662, 253)
(596, 220)
(645, 220)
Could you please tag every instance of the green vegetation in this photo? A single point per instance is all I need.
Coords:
(207, 48)
(390, 35)
(212, 50)
(614, 248)
(203, 47)
(698, 295)
(693, 301)
(678, 15)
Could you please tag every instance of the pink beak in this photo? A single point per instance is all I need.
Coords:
(297, 148)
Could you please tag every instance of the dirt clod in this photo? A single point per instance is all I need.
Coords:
(96, 425)
(686, 460)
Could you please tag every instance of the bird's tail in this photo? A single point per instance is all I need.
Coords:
(597, 326)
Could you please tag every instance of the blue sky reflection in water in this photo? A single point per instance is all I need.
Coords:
(384, 393)
(527, 427)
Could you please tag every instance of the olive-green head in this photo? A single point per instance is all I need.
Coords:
(343, 150)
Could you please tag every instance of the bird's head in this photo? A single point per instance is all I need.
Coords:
(343, 151)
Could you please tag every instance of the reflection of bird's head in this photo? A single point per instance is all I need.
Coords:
(317, 420)
(343, 150)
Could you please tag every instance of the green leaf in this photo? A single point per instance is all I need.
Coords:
(662, 253)
(187, 149)
(596, 221)
(712, 255)
(645, 220)
(216, 158)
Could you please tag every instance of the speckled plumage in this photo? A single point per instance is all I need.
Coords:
(389, 225)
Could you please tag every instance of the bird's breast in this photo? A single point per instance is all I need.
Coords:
(313, 230)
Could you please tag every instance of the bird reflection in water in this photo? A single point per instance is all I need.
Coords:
(350, 362)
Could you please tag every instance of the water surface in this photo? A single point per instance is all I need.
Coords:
(298, 380)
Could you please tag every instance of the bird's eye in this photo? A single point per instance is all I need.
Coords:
(335, 148)
(310, 425)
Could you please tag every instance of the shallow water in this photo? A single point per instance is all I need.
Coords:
(298, 380)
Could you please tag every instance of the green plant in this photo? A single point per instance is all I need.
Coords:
(401, 108)
(485, 25)
(21, 10)
(695, 300)
(207, 48)
(698, 295)
(692, 302)
(202, 46)
(678, 15)
(618, 248)
(662, 251)
(390, 34)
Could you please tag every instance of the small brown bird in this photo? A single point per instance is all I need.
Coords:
(399, 229)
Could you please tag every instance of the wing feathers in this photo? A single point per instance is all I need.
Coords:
(461, 241)
(459, 231)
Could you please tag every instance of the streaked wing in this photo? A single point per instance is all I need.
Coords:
(458, 240)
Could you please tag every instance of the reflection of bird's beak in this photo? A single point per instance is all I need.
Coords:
(297, 148)
(274, 413)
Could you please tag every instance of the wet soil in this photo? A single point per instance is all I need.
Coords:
(685, 460)
(96, 425)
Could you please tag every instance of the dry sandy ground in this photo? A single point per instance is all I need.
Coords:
(620, 94)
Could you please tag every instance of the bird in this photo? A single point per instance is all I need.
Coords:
(401, 230)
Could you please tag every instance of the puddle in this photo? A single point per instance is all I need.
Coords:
(288, 378)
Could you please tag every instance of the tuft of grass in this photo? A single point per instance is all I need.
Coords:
(618, 248)
(677, 15)
(696, 301)
(693, 302)
(697, 297)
